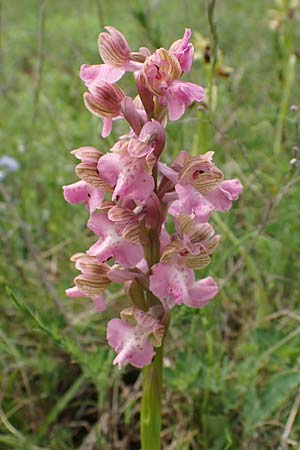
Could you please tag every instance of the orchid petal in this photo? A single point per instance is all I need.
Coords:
(99, 73)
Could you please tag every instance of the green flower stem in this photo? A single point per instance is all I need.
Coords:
(151, 403)
(150, 422)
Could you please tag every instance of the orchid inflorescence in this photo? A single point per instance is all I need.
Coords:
(134, 199)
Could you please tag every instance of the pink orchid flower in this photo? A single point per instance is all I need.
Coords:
(191, 245)
(199, 187)
(128, 176)
(91, 282)
(111, 244)
(133, 337)
(183, 50)
(104, 100)
(98, 300)
(190, 201)
(177, 285)
(128, 168)
(162, 72)
(82, 192)
(117, 57)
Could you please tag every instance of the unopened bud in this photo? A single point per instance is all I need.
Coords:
(131, 115)
(87, 169)
(104, 100)
(153, 134)
(93, 278)
(295, 162)
(145, 94)
(113, 48)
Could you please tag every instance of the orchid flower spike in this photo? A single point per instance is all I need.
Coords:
(150, 218)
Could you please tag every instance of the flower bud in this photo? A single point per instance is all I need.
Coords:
(104, 100)
(153, 134)
(184, 51)
(87, 169)
(113, 48)
(160, 69)
(93, 279)
(130, 113)
(145, 94)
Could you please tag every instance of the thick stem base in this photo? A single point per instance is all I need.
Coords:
(151, 403)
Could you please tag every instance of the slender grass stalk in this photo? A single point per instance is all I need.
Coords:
(60, 406)
(100, 6)
(203, 137)
(259, 295)
(213, 42)
(288, 63)
(151, 403)
(286, 92)
(205, 140)
(206, 393)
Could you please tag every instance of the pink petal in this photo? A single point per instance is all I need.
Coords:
(225, 194)
(143, 265)
(181, 94)
(82, 192)
(168, 172)
(101, 225)
(191, 92)
(121, 337)
(170, 281)
(96, 197)
(109, 167)
(140, 358)
(190, 201)
(74, 292)
(184, 51)
(130, 113)
(120, 275)
(107, 127)
(117, 332)
(164, 238)
(137, 148)
(113, 48)
(155, 214)
(134, 182)
(176, 107)
(201, 292)
(111, 245)
(99, 303)
(153, 133)
(233, 187)
(76, 192)
(95, 74)
(127, 254)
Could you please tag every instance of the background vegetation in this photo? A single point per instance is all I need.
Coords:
(232, 370)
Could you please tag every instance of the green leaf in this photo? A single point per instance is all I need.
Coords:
(260, 407)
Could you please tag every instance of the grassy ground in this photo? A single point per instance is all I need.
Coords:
(232, 372)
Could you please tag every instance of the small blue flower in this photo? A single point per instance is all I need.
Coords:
(8, 165)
